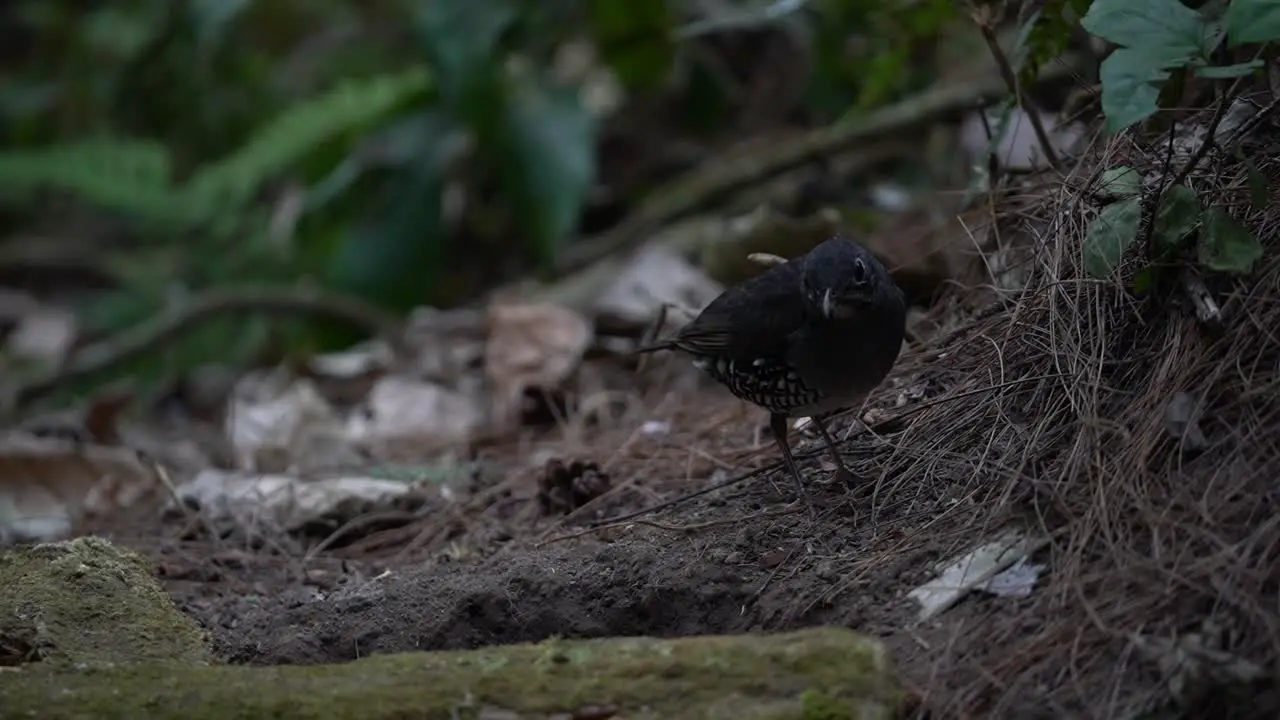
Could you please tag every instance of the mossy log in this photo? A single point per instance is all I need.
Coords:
(86, 632)
(815, 674)
(87, 602)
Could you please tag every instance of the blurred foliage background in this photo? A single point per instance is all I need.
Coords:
(410, 152)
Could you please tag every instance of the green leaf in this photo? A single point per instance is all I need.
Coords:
(1165, 26)
(635, 39)
(211, 19)
(1045, 35)
(1252, 21)
(395, 254)
(1259, 191)
(1145, 279)
(1177, 215)
(1226, 245)
(1109, 235)
(1119, 182)
(1155, 35)
(460, 38)
(395, 145)
(119, 174)
(299, 130)
(549, 144)
(1213, 35)
(1226, 72)
(1129, 92)
(1023, 48)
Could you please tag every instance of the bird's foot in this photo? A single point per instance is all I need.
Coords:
(845, 476)
(810, 507)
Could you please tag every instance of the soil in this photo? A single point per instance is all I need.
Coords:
(509, 565)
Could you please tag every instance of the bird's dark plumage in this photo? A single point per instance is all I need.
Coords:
(810, 336)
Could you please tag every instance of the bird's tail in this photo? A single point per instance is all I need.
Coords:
(654, 347)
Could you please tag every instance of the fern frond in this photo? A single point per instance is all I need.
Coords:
(130, 176)
(300, 129)
(135, 176)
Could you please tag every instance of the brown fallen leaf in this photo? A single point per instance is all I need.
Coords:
(49, 485)
(531, 346)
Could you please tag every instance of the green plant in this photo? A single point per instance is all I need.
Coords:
(1158, 37)
(532, 141)
(532, 138)
(891, 37)
(135, 177)
(1044, 35)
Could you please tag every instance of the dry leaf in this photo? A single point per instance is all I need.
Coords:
(652, 277)
(413, 412)
(275, 423)
(447, 345)
(44, 333)
(49, 485)
(531, 346)
(345, 377)
(95, 420)
(286, 501)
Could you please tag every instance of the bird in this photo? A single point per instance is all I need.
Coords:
(810, 336)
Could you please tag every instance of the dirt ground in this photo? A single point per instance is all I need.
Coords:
(508, 566)
(1051, 411)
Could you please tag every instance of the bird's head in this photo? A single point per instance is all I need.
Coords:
(840, 277)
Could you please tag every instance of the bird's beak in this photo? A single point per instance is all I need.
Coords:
(828, 305)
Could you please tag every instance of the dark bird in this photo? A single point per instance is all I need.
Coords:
(808, 337)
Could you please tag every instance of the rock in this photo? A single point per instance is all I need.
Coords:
(87, 603)
(814, 673)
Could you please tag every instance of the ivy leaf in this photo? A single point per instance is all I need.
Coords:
(1155, 35)
(1119, 182)
(1164, 26)
(1226, 245)
(549, 143)
(1177, 215)
(1226, 72)
(1109, 235)
(1259, 191)
(1129, 92)
(1252, 21)
(460, 38)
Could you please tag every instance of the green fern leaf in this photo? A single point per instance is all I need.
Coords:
(1047, 33)
(285, 140)
(134, 176)
(125, 175)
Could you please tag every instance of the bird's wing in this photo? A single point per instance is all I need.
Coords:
(750, 321)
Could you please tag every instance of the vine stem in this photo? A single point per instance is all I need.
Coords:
(1152, 204)
(981, 18)
(136, 341)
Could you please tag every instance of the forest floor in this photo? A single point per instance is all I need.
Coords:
(502, 569)
(1132, 436)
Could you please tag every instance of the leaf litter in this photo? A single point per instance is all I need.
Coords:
(1044, 404)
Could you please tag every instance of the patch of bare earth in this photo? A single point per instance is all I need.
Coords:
(1047, 409)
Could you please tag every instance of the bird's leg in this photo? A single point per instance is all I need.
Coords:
(842, 470)
(778, 424)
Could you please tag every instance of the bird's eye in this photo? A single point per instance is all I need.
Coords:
(859, 271)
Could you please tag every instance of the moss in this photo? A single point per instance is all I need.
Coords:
(820, 673)
(86, 602)
(817, 705)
